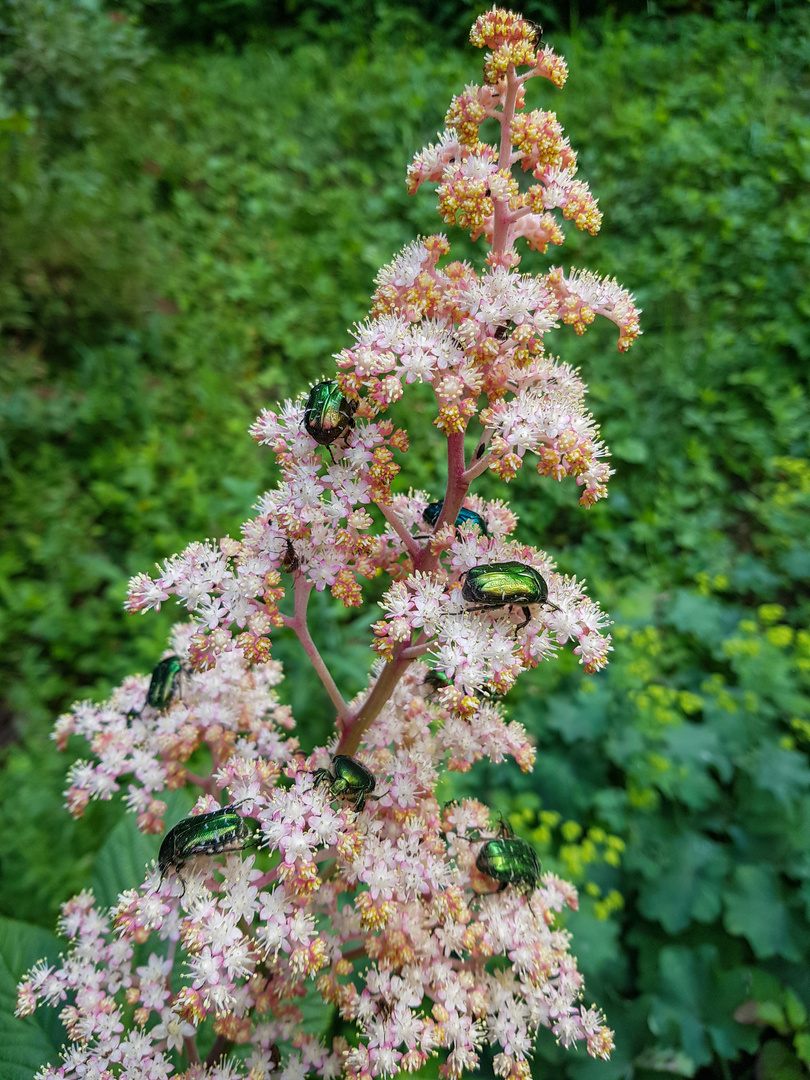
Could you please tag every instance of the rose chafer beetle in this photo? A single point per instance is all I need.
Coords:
(511, 861)
(464, 517)
(348, 779)
(165, 683)
(508, 859)
(206, 834)
(328, 414)
(503, 584)
(436, 681)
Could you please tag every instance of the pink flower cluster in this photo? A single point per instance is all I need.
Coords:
(383, 912)
(386, 911)
(480, 650)
(231, 709)
(469, 335)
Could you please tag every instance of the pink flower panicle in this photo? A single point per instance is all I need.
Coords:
(382, 912)
(236, 944)
(231, 709)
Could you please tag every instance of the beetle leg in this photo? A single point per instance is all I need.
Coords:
(321, 775)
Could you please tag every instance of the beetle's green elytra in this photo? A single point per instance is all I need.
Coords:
(348, 779)
(165, 683)
(207, 834)
(502, 584)
(436, 681)
(328, 414)
(511, 861)
(464, 517)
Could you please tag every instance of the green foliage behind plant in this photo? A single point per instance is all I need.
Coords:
(197, 246)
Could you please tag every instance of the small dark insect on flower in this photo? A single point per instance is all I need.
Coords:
(536, 36)
(436, 681)
(290, 561)
(508, 859)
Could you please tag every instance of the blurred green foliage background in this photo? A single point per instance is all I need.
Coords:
(195, 197)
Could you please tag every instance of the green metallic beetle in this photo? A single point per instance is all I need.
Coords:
(348, 779)
(328, 414)
(464, 517)
(503, 584)
(436, 681)
(165, 683)
(511, 861)
(206, 834)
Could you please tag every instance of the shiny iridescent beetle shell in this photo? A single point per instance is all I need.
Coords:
(328, 415)
(503, 584)
(349, 779)
(219, 831)
(464, 517)
(511, 861)
(165, 683)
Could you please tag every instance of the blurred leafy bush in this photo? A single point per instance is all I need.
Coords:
(195, 243)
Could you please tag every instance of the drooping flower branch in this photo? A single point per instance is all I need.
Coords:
(426, 927)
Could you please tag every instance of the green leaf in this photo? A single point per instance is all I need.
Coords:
(688, 885)
(674, 1062)
(802, 1046)
(754, 909)
(123, 859)
(695, 1002)
(794, 1009)
(630, 449)
(777, 1062)
(704, 616)
(784, 773)
(26, 1043)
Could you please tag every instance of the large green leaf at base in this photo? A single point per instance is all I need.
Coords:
(26, 1044)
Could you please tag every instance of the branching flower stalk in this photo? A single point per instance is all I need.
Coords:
(429, 930)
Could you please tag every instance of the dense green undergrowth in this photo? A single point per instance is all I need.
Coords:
(185, 240)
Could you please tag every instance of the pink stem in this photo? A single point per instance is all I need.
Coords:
(205, 782)
(354, 727)
(501, 215)
(479, 467)
(298, 623)
(192, 1053)
(415, 651)
(457, 488)
(458, 483)
(407, 539)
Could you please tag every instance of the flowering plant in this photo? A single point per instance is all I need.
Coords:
(427, 929)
